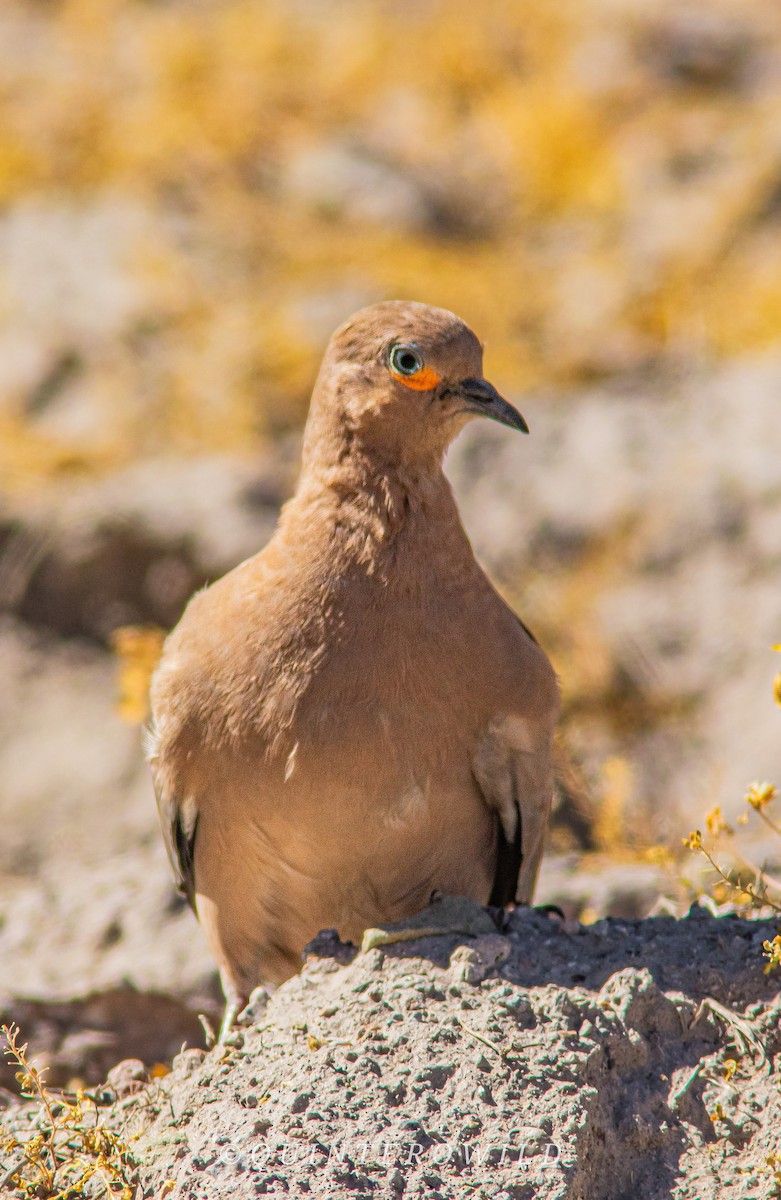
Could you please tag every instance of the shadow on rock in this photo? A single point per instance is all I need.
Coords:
(83, 1039)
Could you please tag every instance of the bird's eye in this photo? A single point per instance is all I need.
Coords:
(405, 360)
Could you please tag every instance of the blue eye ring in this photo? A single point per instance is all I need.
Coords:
(405, 359)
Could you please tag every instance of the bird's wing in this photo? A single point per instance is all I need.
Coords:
(512, 766)
(179, 825)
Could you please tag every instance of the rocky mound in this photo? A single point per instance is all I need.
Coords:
(470, 1058)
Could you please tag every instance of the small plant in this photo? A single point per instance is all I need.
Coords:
(69, 1151)
(773, 1164)
(745, 883)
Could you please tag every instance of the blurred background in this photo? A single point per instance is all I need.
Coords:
(193, 194)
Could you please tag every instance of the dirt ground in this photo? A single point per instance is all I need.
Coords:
(528, 1058)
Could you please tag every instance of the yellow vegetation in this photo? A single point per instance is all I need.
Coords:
(578, 202)
(69, 1151)
(737, 880)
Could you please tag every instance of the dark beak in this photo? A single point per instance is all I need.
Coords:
(481, 397)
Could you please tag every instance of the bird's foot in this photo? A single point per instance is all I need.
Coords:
(448, 916)
(233, 1007)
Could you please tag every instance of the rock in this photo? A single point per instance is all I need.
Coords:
(132, 548)
(127, 1077)
(328, 944)
(699, 48)
(116, 1035)
(582, 888)
(186, 1061)
(256, 1007)
(350, 181)
(610, 1080)
(473, 964)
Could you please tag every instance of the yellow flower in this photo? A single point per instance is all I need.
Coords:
(772, 952)
(716, 823)
(730, 1067)
(760, 794)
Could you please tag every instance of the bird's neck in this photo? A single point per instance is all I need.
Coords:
(373, 508)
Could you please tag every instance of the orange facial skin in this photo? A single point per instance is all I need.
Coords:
(423, 380)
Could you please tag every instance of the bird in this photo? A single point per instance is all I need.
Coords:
(353, 721)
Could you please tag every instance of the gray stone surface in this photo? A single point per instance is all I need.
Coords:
(589, 1063)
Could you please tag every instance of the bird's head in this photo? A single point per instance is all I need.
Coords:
(400, 380)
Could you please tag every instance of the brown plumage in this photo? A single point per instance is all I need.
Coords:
(353, 719)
